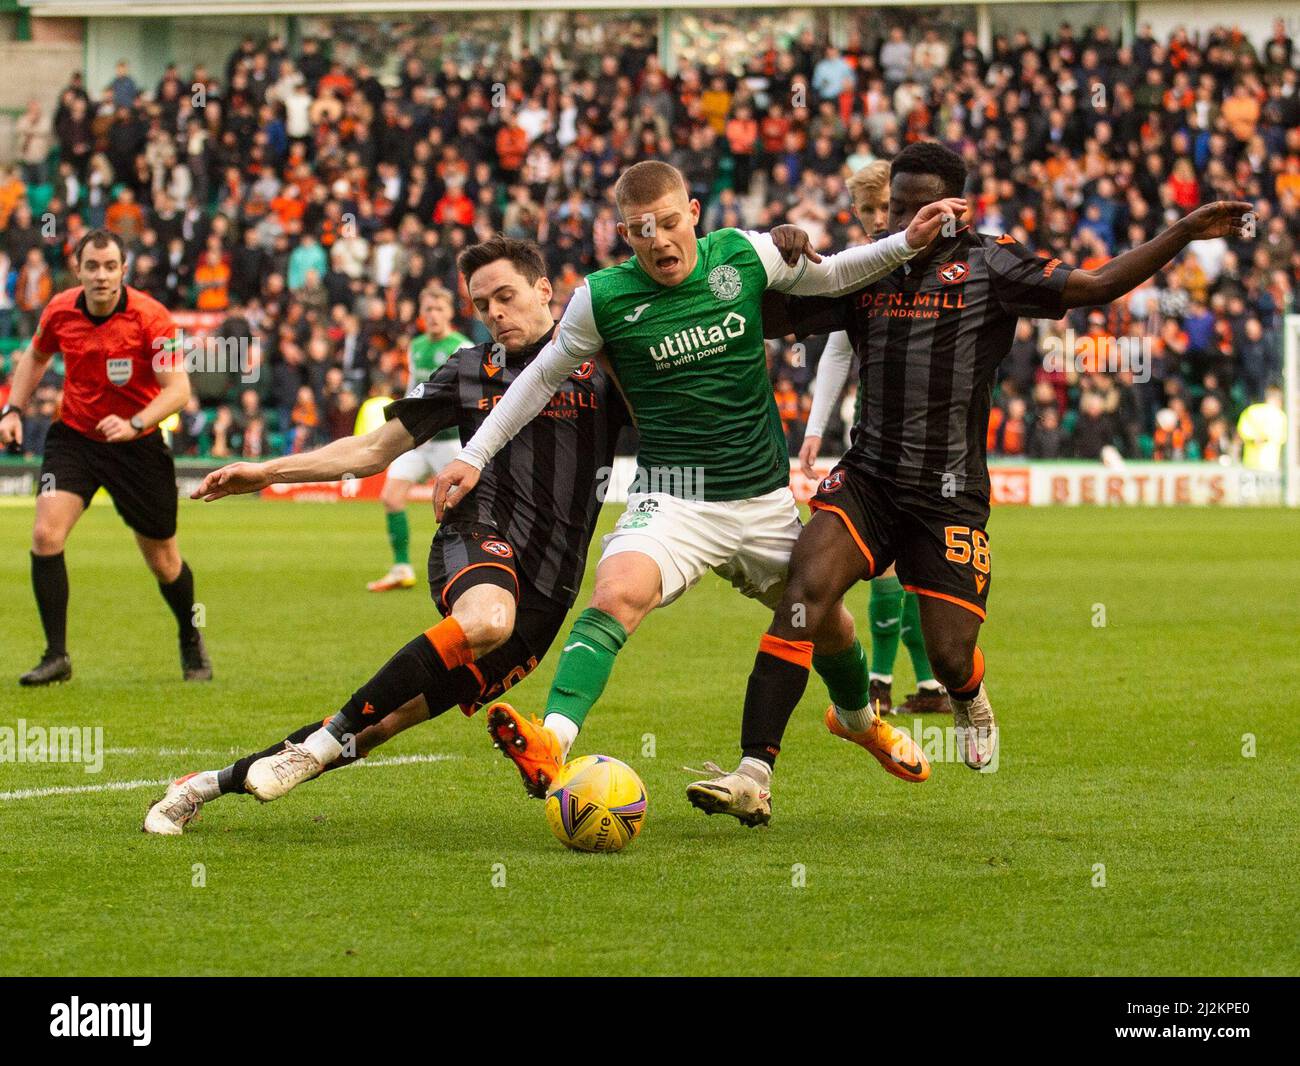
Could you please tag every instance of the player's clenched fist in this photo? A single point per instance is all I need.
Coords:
(11, 429)
(930, 219)
(233, 480)
(455, 482)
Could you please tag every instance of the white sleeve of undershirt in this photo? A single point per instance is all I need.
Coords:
(575, 340)
(832, 373)
(845, 271)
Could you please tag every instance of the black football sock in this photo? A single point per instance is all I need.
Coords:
(427, 666)
(50, 583)
(180, 598)
(776, 685)
(231, 779)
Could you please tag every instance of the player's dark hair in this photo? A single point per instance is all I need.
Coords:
(99, 238)
(927, 157)
(524, 255)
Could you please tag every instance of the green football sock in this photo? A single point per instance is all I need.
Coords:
(845, 675)
(585, 664)
(913, 638)
(885, 612)
(399, 537)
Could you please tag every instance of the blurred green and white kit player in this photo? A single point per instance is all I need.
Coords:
(425, 356)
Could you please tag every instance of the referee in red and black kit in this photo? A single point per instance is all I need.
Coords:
(123, 375)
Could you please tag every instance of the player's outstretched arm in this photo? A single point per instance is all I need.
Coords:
(832, 373)
(1087, 288)
(346, 457)
(849, 270)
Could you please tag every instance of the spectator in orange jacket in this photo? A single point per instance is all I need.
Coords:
(512, 147)
(212, 280)
(35, 286)
(124, 216)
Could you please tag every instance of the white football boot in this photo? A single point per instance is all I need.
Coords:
(977, 730)
(401, 576)
(735, 793)
(179, 806)
(271, 777)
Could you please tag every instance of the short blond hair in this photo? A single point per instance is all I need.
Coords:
(436, 291)
(647, 181)
(869, 182)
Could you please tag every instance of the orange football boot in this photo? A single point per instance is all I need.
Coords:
(533, 748)
(894, 750)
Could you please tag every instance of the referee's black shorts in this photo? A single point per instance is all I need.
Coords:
(138, 474)
(462, 557)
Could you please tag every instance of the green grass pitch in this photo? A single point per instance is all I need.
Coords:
(1122, 761)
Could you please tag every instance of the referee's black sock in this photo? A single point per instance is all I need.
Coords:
(180, 598)
(50, 583)
(424, 666)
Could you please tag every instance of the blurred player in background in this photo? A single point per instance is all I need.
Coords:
(505, 567)
(915, 485)
(681, 324)
(122, 376)
(892, 613)
(426, 355)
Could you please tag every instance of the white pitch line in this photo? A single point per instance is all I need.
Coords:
(124, 786)
(167, 752)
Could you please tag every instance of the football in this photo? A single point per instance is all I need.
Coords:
(596, 804)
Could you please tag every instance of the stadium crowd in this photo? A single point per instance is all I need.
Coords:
(303, 205)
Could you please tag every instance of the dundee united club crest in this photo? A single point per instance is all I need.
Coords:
(498, 548)
(953, 273)
(832, 482)
(724, 280)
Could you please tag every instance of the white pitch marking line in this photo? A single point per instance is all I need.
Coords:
(124, 786)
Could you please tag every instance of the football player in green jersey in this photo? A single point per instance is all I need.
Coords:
(425, 355)
(680, 324)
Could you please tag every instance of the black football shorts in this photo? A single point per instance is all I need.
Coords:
(138, 474)
(938, 544)
(462, 557)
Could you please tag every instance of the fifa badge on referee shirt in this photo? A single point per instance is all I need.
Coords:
(119, 371)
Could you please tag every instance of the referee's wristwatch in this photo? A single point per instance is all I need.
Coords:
(137, 424)
(10, 409)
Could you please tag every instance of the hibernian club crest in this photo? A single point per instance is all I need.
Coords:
(724, 280)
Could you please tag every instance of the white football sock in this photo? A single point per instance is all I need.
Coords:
(565, 730)
(886, 679)
(323, 746)
(756, 770)
(205, 785)
(929, 686)
(858, 721)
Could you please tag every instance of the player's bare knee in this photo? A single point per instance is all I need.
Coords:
(952, 663)
(487, 617)
(804, 608)
(627, 604)
(48, 539)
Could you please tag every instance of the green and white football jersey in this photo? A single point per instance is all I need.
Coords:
(425, 356)
(689, 359)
